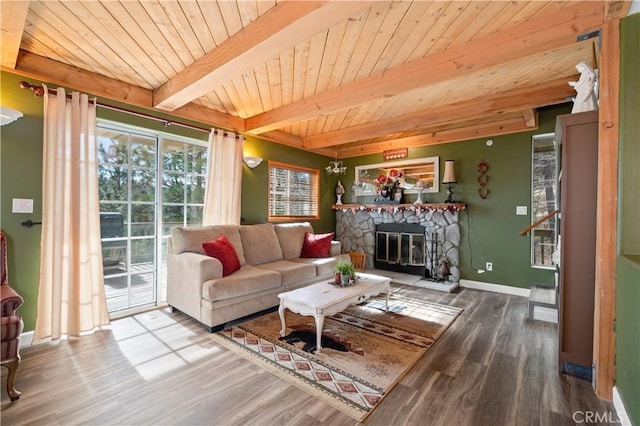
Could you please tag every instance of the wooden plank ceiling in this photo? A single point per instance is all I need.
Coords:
(338, 77)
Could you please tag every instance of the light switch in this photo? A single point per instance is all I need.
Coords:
(521, 210)
(22, 205)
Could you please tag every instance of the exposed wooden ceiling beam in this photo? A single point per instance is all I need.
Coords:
(13, 16)
(530, 118)
(616, 9)
(537, 35)
(283, 138)
(512, 124)
(548, 93)
(280, 28)
(498, 118)
(50, 71)
(293, 141)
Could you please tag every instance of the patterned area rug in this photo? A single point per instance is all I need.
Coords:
(365, 350)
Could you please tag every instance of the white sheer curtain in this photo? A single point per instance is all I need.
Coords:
(71, 295)
(224, 179)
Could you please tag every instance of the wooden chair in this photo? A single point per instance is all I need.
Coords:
(358, 260)
(11, 324)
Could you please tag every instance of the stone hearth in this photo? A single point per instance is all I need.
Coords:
(356, 227)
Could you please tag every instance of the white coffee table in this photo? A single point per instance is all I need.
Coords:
(322, 299)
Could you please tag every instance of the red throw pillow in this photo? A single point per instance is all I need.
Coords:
(316, 245)
(223, 250)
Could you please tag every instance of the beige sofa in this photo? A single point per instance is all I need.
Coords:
(270, 262)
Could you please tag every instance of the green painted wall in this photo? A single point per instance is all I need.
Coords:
(21, 177)
(629, 146)
(254, 183)
(628, 334)
(628, 262)
(489, 226)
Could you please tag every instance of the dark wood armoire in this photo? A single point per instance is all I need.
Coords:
(578, 136)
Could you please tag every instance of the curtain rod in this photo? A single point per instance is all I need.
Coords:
(38, 91)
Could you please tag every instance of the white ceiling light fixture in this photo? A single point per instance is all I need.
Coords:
(336, 167)
(8, 115)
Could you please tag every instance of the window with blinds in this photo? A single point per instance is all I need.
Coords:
(293, 192)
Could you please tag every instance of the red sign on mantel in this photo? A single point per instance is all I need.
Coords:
(394, 154)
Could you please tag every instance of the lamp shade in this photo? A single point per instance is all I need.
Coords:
(449, 172)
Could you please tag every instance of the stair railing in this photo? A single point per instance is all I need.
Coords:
(538, 222)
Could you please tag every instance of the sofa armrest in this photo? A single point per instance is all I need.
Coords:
(10, 300)
(186, 273)
(199, 267)
(336, 248)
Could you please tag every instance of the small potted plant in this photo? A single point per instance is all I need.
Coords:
(347, 272)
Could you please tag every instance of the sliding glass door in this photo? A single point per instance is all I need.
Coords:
(183, 177)
(148, 184)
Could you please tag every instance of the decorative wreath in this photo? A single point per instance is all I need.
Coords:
(483, 179)
(483, 167)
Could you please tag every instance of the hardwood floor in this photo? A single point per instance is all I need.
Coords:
(492, 367)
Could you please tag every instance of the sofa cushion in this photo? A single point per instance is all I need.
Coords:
(291, 237)
(291, 272)
(247, 280)
(325, 266)
(223, 250)
(191, 238)
(260, 243)
(316, 245)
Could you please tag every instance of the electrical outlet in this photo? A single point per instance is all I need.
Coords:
(489, 266)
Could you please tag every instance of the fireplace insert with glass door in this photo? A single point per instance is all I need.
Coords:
(400, 247)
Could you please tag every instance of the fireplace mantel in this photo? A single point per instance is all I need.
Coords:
(375, 206)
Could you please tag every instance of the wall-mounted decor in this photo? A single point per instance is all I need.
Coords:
(483, 179)
(394, 154)
(407, 174)
(586, 89)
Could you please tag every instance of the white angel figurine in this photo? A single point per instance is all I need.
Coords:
(339, 192)
(420, 187)
(586, 99)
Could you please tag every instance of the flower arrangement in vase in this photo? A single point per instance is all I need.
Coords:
(388, 184)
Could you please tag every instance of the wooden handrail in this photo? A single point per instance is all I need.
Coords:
(538, 222)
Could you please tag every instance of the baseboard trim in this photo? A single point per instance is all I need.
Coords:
(621, 411)
(495, 288)
(26, 338)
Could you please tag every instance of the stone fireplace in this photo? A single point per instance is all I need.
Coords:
(357, 230)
